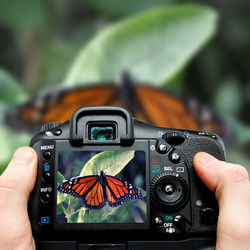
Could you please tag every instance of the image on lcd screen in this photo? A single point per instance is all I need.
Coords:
(101, 187)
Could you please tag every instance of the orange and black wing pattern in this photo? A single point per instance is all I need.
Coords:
(87, 188)
(58, 105)
(95, 190)
(165, 109)
(153, 105)
(119, 190)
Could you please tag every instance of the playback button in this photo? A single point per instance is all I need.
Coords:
(45, 220)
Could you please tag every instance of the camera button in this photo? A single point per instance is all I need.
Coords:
(45, 198)
(175, 158)
(161, 147)
(57, 132)
(158, 221)
(46, 176)
(208, 215)
(180, 223)
(169, 189)
(45, 220)
(47, 155)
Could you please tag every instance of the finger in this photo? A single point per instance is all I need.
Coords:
(230, 183)
(17, 182)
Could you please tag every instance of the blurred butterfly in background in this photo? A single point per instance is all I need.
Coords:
(96, 190)
(149, 104)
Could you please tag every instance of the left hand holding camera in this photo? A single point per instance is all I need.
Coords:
(16, 184)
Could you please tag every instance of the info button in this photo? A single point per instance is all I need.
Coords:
(45, 198)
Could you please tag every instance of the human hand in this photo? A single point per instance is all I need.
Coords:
(16, 183)
(231, 185)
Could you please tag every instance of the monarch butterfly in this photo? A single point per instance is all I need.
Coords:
(95, 190)
(149, 104)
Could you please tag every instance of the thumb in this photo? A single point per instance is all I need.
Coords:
(16, 183)
(231, 185)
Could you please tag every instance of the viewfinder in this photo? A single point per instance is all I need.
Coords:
(103, 132)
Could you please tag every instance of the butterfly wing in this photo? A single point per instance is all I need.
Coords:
(118, 191)
(164, 109)
(87, 188)
(58, 105)
(149, 104)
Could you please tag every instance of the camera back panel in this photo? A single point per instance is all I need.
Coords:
(165, 199)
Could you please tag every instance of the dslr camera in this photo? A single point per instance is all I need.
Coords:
(108, 181)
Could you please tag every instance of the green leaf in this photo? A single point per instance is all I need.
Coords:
(61, 197)
(228, 103)
(117, 8)
(111, 162)
(11, 94)
(59, 209)
(23, 15)
(82, 216)
(241, 130)
(11, 91)
(239, 155)
(228, 99)
(153, 46)
(60, 178)
(10, 140)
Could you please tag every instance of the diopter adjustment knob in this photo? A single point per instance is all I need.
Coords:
(168, 192)
(50, 126)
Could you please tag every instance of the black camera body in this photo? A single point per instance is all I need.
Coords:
(106, 180)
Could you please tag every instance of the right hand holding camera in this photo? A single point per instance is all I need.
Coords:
(230, 182)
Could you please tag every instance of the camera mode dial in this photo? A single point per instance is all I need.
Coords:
(168, 192)
(50, 126)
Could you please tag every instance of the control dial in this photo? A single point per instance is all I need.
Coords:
(168, 192)
(174, 138)
(50, 126)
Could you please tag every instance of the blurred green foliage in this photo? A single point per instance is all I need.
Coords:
(118, 8)
(42, 42)
(14, 14)
(11, 94)
(153, 46)
(112, 163)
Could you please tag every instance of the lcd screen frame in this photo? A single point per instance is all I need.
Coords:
(140, 145)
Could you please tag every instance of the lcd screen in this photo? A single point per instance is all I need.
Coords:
(101, 187)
